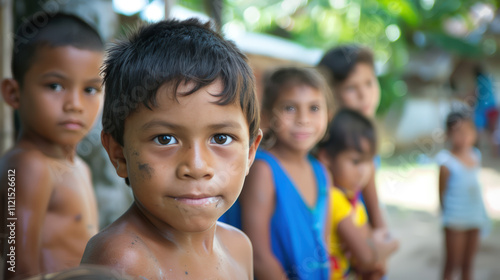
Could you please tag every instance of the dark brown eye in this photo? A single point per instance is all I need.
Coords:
(165, 140)
(221, 139)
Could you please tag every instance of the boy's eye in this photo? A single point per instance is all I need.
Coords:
(165, 140)
(92, 90)
(55, 87)
(315, 108)
(221, 139)
(289, 108)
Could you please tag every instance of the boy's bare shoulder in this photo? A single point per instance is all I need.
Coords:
(231, 234)
(121, 247)
(31, 168)
(19, 157)
(237, 243)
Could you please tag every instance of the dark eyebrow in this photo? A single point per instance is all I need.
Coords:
(161, 123)
(95, 80)
(63, 77)
(55, 75)
(226, 124)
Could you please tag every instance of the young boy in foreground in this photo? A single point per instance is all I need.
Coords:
(181, 124)
(47, 198)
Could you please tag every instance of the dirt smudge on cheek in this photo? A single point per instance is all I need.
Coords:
(145, 170)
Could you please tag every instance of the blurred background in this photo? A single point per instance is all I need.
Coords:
(426, 53)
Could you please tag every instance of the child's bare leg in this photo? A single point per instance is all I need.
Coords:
(455, 246)
(471, 244)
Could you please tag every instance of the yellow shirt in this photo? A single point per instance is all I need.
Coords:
(340, 209)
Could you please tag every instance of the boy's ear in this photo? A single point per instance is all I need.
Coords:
(11, 92)
(253, 149)
(115, 153)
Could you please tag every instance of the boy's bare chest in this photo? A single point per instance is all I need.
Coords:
(72, 209)
(71, 217)
(189, 266)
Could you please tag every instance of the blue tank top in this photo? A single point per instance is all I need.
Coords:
(297, 231)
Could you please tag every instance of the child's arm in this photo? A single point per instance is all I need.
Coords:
(444, 174)
(368, 251)
(33, 189)
(257, 207)
(372, 203)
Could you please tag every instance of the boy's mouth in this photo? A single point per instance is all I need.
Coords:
(198, 200)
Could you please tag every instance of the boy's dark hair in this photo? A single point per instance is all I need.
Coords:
(278, 80)
(346, 131)
(455, 118)
(174, 52)
(339, 62)
(50, 30)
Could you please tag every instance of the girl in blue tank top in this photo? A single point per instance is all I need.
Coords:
(283, 206)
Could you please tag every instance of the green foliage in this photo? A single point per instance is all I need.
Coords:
(374, 23)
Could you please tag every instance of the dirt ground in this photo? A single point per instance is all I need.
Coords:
(409, 194)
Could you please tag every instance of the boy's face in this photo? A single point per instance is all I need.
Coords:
(186, 159)
(60, 97)
(300, 117)
(361, 90)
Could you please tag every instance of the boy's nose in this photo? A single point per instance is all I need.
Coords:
(195, 163)
(73, 101)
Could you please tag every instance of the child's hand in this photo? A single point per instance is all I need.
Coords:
(345, 250)
(385, 244)
(375, 274)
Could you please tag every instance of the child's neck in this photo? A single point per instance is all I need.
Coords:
(47, 147)
(289, 155)
(461, 150)
(200, 243)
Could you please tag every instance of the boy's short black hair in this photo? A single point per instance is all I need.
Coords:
(346, 131)
(174, 52)
(50, 30)
(455, 118)
(339, 62)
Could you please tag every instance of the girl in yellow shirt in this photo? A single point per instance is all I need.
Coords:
(348, 154)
